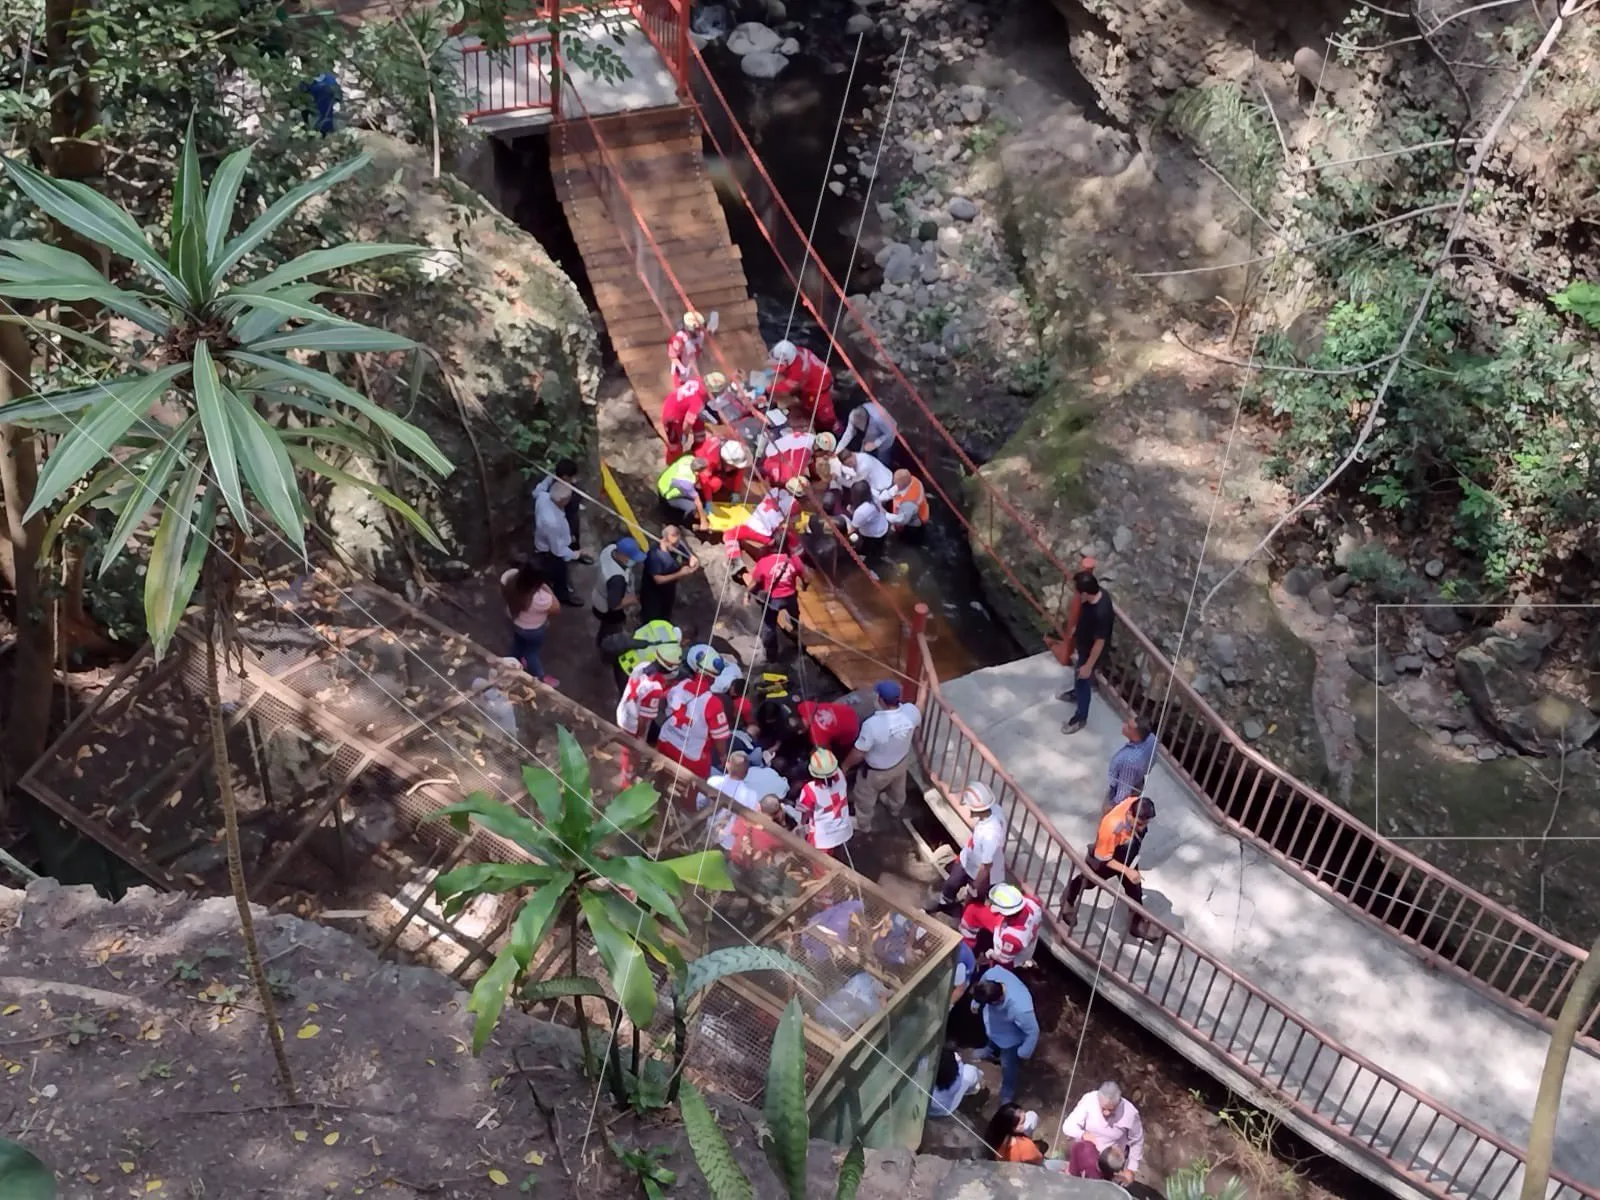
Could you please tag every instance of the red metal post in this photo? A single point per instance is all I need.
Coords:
(553, 23)
(914, 636)
(680, 69)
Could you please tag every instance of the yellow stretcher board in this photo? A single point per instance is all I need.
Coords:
(724, 517)
(608, 483)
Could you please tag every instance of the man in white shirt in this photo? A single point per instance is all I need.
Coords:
(982, 861)
(1105, 1119)
(552, 538)
(884, 745)
(851, 465)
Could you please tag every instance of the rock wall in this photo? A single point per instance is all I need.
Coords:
(139, 1053)
(509, 382)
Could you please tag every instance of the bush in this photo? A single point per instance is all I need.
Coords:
(1498, 437)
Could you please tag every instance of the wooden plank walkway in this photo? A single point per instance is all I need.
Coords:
(851, 631)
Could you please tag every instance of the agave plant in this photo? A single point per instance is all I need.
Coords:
(198, 421)
(573, 875)
(788, 1126)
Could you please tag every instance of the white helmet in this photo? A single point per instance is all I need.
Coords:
(1006, 899)
(784, 353)
(693, 321)
(825, 443)
(735, 455)
(977, 796)
(796, 487)
(716, 381)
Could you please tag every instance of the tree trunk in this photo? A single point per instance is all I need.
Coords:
(222, 767)
(1546, 1107)
(74, 113)
(33, 684)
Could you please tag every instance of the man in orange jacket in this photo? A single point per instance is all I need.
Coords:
(1116, 848)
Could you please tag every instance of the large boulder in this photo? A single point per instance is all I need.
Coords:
(1498, 677)
(752, 37)
(508, 380)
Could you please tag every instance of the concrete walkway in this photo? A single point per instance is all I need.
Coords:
(1320, 961)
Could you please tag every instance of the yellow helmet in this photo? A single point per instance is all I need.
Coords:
(796, 487)
(823, 764)
(715, 381)
(693, 321)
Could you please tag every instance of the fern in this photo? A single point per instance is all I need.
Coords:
(712, 1154)
(851, 1172)
(788, 1126)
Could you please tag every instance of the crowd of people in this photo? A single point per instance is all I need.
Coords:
(765, 462)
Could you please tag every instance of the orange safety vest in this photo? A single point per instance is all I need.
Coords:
(1116, 828)
(913, 494)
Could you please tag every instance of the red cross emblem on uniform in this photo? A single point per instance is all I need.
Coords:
(680, 715)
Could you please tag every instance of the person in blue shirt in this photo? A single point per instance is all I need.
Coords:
(1010, 1022)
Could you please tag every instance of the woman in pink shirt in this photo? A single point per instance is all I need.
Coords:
(530, 603)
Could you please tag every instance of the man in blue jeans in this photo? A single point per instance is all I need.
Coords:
(1091, 636)
(1009, 1020)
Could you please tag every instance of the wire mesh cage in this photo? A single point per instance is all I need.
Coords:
(353, 717)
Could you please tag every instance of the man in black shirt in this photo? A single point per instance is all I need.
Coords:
(1090, 640)
(669, 560)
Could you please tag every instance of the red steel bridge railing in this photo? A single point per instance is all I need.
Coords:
(1446, 923)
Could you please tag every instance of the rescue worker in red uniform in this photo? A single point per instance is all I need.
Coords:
(833, 726)
(802, 376)
(694, 726)
(683, 417)
(825, 805)
(684, 348)
(789, 456)
(727, 473)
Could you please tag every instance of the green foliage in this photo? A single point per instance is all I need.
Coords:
(1190, 1183)
(203, 442)
(1235, 133)
(23, 1175)
(646, 1165)
(1501, 431)
(1582, 300)
(584, 30)
(575, 874)
(788, 1126)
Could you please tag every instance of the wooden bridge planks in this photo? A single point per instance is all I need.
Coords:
(657, 153)
(850, 631)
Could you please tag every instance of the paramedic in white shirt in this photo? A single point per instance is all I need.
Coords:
(981, 863)
(884, 746)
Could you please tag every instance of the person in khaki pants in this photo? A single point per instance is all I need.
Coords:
(884, 745)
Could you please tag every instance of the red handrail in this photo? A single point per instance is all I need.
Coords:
(509, 88)
(1501, 965)
(608, 173)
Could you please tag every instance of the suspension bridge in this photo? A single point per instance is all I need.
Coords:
(1389, 1014)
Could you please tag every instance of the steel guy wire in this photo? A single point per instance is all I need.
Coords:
(468, 699)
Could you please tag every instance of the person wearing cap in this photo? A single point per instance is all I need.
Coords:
(871, 423)
(884, 745)
(825, 805)
(685, 345)
(616, 586)
(775, 583)
(695, 729)
(981, 864)
(1005, 928)
(1011, 1024)
(1115, 851)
